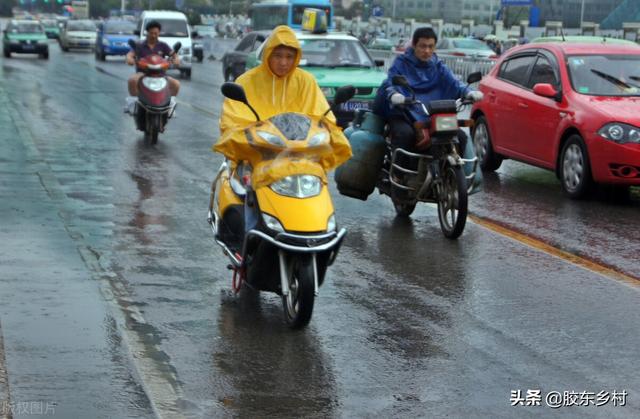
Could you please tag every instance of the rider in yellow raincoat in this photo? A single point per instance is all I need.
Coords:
(274, 87)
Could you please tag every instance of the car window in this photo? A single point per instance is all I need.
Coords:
(543, 72)
(259, 40)
(25, 27)
(176, 28)
(605, 75)
(246, 44)
(516, 69)
(119, 27)
(334, 53)
(470, 44)
(81, 25)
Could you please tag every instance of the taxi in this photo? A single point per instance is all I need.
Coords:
(25, 37)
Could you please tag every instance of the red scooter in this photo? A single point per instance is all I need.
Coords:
(154, 105)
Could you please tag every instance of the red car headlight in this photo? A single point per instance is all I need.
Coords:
(620, 133)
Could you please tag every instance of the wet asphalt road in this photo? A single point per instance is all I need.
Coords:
(115, 301)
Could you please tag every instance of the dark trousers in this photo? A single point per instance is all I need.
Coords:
(403, 135)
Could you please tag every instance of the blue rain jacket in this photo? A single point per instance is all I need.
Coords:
(430, 80)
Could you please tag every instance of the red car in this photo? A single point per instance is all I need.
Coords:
(573, 108)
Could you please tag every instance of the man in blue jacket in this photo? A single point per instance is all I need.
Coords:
(430, 80)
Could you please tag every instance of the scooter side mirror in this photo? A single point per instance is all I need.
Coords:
(474, 77)
(343, 94)
(177, 46)
(136, 32)
(132, 44)
(236, 92)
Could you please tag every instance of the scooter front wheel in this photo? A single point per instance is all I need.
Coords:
(453, 201)
(298, 304)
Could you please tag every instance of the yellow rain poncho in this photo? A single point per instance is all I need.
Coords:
(270, 95)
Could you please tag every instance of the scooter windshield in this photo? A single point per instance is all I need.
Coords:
(293, 126)
(286, 144)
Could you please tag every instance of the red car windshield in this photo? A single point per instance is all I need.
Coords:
(605, 75)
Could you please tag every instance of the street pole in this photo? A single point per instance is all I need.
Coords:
(393, 9)
(123, 6)
(582, 14)
(490, 12)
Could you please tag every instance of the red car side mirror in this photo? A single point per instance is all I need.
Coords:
(545, 90)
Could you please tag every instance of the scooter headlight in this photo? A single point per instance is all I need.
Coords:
(319, 138)
(154, 83)
(272, 223)
(331, 224)
(271, 138)
(300, 186)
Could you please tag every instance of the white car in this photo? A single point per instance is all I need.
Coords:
(78, 34)
(175, 28)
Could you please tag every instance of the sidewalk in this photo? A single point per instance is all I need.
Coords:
(64, 356)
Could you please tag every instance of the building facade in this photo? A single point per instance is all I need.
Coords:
(482, 11)
(569, 11)
(485, 11)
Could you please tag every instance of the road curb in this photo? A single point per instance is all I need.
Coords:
(154, 377)
(5, 395)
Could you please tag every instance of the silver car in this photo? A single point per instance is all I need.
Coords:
(78, 34)
(465, 47)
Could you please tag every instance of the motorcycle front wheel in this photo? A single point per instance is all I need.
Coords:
(298, 304)
(452, 201)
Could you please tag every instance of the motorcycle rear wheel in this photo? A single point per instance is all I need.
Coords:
(453, 202)
(298, 305)
(153, 129)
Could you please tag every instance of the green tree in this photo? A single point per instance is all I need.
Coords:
(6, 6)
(103, 7)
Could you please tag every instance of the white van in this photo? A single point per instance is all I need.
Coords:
(175, 28)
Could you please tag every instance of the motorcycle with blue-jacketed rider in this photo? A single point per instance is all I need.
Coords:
(435, 172)
(412, 147)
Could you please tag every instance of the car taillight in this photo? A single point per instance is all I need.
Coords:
(459, 54)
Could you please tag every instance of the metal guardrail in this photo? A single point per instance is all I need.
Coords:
(463, 66)
(460, 66)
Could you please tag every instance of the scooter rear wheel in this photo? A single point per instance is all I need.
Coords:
(298, 305)
(153, 129)
(453, 202)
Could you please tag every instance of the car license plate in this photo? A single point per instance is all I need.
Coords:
(354, 105)
(28, 47)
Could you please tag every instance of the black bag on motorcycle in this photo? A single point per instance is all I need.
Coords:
(357, 177)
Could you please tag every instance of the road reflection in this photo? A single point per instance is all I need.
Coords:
(274, 371)
(148, 172)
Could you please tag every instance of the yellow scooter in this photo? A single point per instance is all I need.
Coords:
(270, 209)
